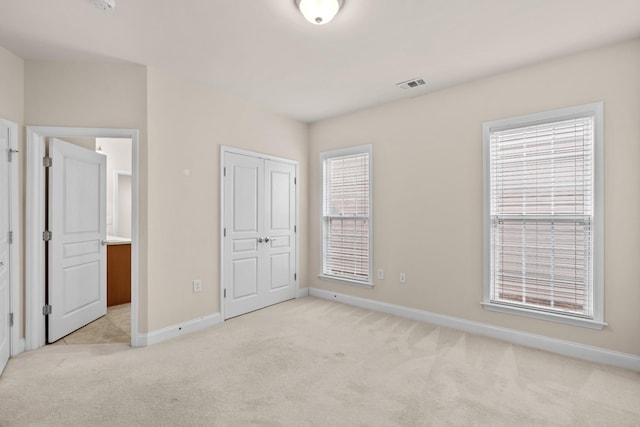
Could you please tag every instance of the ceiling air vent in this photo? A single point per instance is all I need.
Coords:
(411, 84)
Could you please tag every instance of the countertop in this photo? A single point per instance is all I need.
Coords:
(115, 240)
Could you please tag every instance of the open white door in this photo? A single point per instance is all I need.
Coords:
(77, 267)
(5, 277)
(259, 246)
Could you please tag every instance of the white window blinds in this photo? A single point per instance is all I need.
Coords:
(541, 216)
(346, 216)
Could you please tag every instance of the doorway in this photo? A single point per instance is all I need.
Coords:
(35, 327)
(259, 229)
(74, 237)
(113, 323)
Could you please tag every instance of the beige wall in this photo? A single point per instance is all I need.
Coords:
(12, 108)
(105, 95)
(428, 189)
(88, 143)
(187, 124)
(427, 177)
(11, 86)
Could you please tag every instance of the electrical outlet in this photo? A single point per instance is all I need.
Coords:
(403, 278)
(380, 273)
(197, 285)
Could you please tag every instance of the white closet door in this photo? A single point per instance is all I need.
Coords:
(244, 192)
(77, 221)
(5, 328)
(279, 219)
(259, 246)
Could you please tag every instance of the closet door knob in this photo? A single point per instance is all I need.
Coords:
(260, 240)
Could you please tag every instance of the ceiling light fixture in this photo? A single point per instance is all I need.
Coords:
(319, 12)
(107, 5)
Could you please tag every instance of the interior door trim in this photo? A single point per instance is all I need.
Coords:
(16, 343)
(35, 328)
(227, 149)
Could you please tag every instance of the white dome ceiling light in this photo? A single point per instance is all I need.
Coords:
(107, 5)
(319, 12)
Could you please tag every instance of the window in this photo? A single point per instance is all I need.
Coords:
(346, 215)
(544, 215)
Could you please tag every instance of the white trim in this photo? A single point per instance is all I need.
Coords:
(227, 149)
(115, 202)
(164, 334)
(35, 332)
(346, 280)
(302, 292)
(221, 233)
(324, 155)
(567, 348)
(16, 344)
(541, 315)
(598, 211)
(297, 230)
(595, 110)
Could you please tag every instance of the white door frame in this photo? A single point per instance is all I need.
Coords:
(35, 269)
(16, 343)
(226, 149)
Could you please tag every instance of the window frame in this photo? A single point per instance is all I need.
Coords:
(324, 156)
(595, 110)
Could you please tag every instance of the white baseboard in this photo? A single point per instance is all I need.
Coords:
(567, 348)
(303, 292)
(164, 334)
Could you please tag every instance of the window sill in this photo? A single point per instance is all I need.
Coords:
(345, 280)
(552, 317)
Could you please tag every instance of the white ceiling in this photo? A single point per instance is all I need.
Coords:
(265, 52)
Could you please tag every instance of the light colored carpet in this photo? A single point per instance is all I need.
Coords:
(114, 327)
(311, 362)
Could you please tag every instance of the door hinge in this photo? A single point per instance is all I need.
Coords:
(47, 162)
(224, 232)
(47, 235)
(295, 228)
(10, 319)
(295, 276)
(10, 155)
(225, 292)
(46, 309)
(10, 237)
(224, 171)
(295, 181)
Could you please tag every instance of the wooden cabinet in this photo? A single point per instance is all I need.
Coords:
(118, 274)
